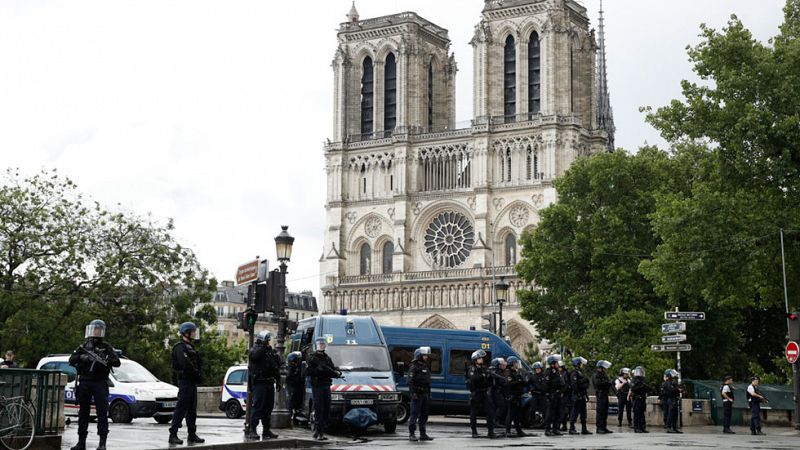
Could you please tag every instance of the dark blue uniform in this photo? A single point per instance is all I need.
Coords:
(727, 407)
(601, 387)
(514, 389)
(479, 381)
(322, 372)
(672, 393)
(295, 386)
(186, 364)
(419, 386)
(639, 391)
(538, 396)
(623, 389)
(755, 410)
(264, 369)
(554, 386)
(580, 385)
(92, 383)
(566, 399)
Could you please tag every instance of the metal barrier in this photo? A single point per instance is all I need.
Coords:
(43, 389)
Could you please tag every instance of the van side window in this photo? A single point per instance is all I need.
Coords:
(406, 354)
(459, 359)
(237, 377)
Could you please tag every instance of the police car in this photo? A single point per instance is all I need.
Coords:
(133, 391)
(233, 399)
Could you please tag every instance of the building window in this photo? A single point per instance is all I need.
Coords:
(508, 165)
(366, 96)
(430, 95)
(364, 260)
(449, 239)
(534, 74)
(528, 164)
(390, 95)
(388, 251)
(510, 80)
(511, 249)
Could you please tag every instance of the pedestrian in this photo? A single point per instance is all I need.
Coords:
(554, 385)
(662, 399)
(566, 395)
(419, 385)
(479, 381)
(264, 369)
(187, 365)
(538, 398)
(622, 385)
(726, 391)
(498, 390)
(295, 384)
(601, 385)
(672, 393)
(514, 390)
(580, 386)
(93, 360)
(322, 371)
(8, 362)
(754, 399)
(638, 394)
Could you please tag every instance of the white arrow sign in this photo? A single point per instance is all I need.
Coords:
(671, 348)
(673, 338)
(674, 327)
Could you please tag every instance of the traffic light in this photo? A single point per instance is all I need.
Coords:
(250, 318)
(240, 321)
(490, 324)
(260, 305)
(794, 325)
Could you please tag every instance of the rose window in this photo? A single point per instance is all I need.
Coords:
(449, 239)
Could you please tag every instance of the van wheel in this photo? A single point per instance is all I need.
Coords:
(390, 427)
(163, 420)
(402, 412)
(120, 412)
(233, 410)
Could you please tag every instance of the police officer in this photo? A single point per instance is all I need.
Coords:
(295, 384)
(187, 364)
(638, 394)
(538, 398)
(754, 399)
(514, 389)
(498, 390)
(623, 387)
(672, 394)
(479, 381)
(726, 390)
(93, 361)
(264, 368)
(554, 385)
(601, 385)
(663, 400)
(419, 385)
(566, 395)
(322, 372)
(580, 386)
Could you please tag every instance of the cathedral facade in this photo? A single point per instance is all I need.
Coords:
(424, 214)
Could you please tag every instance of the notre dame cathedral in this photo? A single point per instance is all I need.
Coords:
(424, 215)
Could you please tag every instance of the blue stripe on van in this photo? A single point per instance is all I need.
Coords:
(236, 395)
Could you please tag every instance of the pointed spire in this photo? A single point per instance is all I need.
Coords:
(605, 115)
(352, 16)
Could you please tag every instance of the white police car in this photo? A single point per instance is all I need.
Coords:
(133, 391)
(233, 400)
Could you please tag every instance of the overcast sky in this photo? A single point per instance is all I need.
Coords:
(214, 112)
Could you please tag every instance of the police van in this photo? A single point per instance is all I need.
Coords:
(233, 398)
(451, 352)
(133, 391)
(358, 348)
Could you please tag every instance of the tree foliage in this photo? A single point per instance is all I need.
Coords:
(65, 260)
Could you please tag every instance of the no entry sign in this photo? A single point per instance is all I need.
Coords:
(792, 351)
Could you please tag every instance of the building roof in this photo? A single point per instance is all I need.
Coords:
(227, 293)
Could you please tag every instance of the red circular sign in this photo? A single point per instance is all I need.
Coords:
(792, 351)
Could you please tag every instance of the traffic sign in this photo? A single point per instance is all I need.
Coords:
(792, 352)
(671, 348)
(247, 272)
(673, 338)
(674, 327)
(684, 315)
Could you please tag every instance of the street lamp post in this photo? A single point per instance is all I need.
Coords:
(281, 417)
(501, 295)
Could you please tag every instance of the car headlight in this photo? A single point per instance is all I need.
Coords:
(389, 397)
(337, 397)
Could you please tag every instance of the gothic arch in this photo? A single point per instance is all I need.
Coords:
(519, 336)
(528, 26)
(438, 322)
(363, 50)
(386, 46)
(533, 215)
(357, 230)
(505, 29)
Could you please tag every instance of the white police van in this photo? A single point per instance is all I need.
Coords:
(233, 399)
(133, 391)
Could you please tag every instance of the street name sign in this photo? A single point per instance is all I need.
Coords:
(671, 348)
(792, 351)
(673, 338)
(247, 272)
(684, 315)
(674, 327)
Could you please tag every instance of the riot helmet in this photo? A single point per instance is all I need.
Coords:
(579, 361)
(553, 359)
(639, 372)
(537, 365)
(478, 354)
(513, 361)
(670, 373)
(190, 330)
(294, 356)
(624, 371)
(603, 364)
(561, 364)
(420, 352)
(497, 362)
(320, 344)
(264, 336)
(96, 329)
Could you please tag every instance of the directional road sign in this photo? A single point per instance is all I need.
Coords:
(247, 272)
(792, 351)
(684, 315)
(673, 338)
(671, 348)
(674, 327)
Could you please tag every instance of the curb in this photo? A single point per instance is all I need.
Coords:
(269, 444)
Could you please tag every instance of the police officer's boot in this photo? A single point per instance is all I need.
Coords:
(412, 436)
(194, 438)
(423, 435)
(102, 444)
(728, 431)
(81, 445)
(584, 430)
(252, 435)
(760, 433)
(572, 429)
(475, 432)
(174, 439)
(268, 434)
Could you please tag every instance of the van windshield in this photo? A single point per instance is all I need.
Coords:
(363, 358)
(132, 372)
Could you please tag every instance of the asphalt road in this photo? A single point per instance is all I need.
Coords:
(145, 434)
